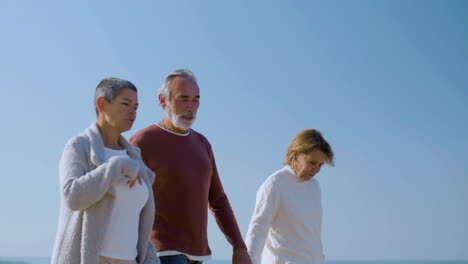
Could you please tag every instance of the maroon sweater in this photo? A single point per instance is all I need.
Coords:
(187, 181)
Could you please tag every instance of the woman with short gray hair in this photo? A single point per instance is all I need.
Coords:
(107, 206)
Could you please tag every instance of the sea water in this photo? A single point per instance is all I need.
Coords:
(30, 260)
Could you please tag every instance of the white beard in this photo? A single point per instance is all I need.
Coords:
(177, 120)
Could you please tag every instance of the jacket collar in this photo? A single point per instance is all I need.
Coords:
(97, 145)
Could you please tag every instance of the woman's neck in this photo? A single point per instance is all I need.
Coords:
(109, 136)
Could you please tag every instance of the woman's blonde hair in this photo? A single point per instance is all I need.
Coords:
(307, 141)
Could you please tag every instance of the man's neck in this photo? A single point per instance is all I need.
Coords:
(167, 124)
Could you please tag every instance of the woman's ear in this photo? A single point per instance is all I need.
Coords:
(294, 155)
(100, 104)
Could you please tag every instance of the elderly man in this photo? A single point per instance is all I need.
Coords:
(187, 180)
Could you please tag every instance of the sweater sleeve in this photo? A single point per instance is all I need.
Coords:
(80, 188)
(221, 209)
(266, 207)
(151, 256)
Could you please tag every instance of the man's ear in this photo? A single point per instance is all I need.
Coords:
(100, 104)
(162, 101)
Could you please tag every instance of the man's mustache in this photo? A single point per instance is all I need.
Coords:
(188, 114)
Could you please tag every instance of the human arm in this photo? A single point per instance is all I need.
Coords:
(266, 208)
(224, 216)
(81, 187)
(226, 221)
(241, 256)
(151, 255)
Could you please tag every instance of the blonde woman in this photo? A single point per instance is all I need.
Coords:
(107, 208)
(286, 224)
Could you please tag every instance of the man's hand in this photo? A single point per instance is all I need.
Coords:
(240, 256)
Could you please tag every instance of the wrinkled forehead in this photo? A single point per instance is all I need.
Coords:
(181, 85)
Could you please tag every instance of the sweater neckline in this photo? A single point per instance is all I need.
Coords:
(177, 134)
(295, 176)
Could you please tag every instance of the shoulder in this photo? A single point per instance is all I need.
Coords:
(201, 139)
(199, 136)
(145, 134)
(280, 176)
(270, 188)
(77, 149)
(79, 142)
(275, 180)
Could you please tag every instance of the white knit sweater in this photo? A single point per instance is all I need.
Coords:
(87, 199)
(286, 224)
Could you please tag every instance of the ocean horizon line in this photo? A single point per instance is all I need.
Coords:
(46, 260)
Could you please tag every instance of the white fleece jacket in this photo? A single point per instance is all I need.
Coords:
(88, 195)
(286, 224)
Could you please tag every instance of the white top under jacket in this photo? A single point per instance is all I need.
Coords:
(120, 241)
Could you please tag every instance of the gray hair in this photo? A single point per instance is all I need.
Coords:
(165, 89)
(109, 88)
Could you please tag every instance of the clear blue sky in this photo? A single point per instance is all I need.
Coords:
(385, 81)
